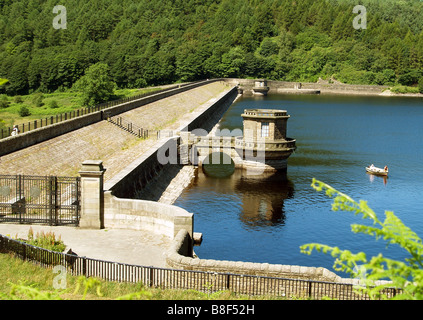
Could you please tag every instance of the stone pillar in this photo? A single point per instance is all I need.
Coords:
(92, 197)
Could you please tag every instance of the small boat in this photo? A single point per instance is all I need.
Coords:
(377, 171)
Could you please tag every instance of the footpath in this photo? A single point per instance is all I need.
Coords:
(116, 245)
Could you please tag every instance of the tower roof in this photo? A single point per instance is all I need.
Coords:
(265, 113)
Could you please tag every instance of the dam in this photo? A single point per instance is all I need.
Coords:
(133, 171)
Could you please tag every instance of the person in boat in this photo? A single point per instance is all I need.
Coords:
(372, 166)
(386, 168)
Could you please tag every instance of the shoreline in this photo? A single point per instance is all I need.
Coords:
(386, 93)
(310, 88)
(352, 91)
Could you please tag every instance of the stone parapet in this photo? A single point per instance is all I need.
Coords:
(246, 86)
(178, 259)
(158, 218)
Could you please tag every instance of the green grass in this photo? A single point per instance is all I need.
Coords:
(20, 279)
(66, 102)
(23, 280)
(404, 89)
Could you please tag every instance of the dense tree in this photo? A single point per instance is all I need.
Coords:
(96, 85)
(164, 41)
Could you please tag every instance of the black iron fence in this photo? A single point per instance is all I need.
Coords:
(131, 127)
(207, 282)
(25, 127)
(39, 199)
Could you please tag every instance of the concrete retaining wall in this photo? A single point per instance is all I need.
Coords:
(289, 87)
(211, 115)
(140, 172)
(27, 139)
(178, 258)
(144, 215)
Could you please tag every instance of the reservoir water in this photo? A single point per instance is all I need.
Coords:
(267, 219)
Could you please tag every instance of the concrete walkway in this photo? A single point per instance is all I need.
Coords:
(124, 246)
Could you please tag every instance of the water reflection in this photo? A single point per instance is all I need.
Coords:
(260, 197)
(263, 198)
(374, 178)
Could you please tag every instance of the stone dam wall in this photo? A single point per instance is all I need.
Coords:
(138, 174)
(324, 87)
(121, 210)
(26, 139)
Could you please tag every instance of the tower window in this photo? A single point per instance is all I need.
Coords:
(265, 129)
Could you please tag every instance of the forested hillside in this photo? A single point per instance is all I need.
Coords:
(153, 42)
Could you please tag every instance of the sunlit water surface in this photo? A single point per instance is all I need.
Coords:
(267, 219)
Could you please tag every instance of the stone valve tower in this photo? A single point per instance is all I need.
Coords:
(265, 139)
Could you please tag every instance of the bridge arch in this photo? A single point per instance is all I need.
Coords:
(218, 164)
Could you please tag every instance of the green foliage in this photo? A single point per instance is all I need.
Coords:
(148, 43)
(46, 240)
(17, 99)
(53, 104)
(24, 280)
(96, 85)
(22, 291)
(404, 89)
(421, 85)
(37, 100)
(3, 81)
(405, 275)
(24, 111)
(410, 78)
(4, 101)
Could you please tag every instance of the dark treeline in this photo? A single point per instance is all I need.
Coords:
(153, 42)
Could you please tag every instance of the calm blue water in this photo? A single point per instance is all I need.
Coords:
(243, 218)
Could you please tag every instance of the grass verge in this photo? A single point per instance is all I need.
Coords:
(22, 280)
(43, 105)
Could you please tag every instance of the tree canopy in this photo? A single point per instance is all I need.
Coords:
(157, 42)
(96, 85)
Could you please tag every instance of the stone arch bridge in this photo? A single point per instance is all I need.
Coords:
(261, 146)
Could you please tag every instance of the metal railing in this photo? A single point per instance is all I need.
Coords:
(202, 281)
(32, 125)
(130, 127)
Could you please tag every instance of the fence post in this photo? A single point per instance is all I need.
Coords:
(19, 195)
(23, 251)
(151, 277)
(92, 196)
(84, 266)
(53, 200)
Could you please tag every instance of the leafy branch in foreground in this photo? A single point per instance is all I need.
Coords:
(406, 275)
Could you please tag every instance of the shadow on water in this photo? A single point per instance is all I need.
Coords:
(263, 198)
(257, 199)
